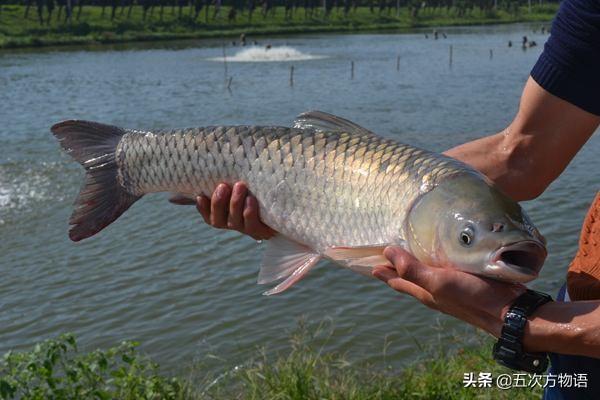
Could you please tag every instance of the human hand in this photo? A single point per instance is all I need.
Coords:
(479, 301)
(230, 208)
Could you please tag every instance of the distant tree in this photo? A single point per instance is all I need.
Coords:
(130, 8)
(60, 4)
(40, 10)
(69, 11)
(27, 6)
(266, 7)
(198, 4)
(50, 7)
(146, 5)
(114, 5)
(231, 15)
(288, 9)
(79, 8)
(217, 11)
(181, 4)
(251, 7)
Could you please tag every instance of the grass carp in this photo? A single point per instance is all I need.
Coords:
(331, 188)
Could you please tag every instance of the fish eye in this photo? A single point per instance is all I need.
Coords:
(466, 236)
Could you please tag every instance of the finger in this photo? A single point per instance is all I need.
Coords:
(203, 207)
(409, 268)
(384, 273)
(390, 276)
(219, 206)
(236, 206)
(182, 200)
(253, 226)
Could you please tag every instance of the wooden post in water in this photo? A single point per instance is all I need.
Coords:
(225, 62)
(491, 54)
(351, 69)
(229, 83)
(398, 63)
(450, 56)
(292, 76)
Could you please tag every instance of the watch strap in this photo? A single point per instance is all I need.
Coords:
(508, 351)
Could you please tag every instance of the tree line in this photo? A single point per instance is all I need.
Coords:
(231, 10)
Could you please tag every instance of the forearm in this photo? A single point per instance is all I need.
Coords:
(538, 145)
(566, 328)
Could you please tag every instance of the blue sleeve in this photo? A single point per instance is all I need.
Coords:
(569, 66)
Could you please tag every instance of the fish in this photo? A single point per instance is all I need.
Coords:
(330, 188)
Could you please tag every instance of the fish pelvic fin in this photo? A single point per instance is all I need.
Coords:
(102, 198)
(287, 259)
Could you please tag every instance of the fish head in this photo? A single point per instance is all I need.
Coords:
(466, 223)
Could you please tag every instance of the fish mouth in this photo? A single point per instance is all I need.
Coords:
(518, 262)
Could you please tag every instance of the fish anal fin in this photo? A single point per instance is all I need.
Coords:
(284, 258)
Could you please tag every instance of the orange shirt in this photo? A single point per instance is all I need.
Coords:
(583, 278)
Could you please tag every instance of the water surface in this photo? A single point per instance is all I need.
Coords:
(185, 290)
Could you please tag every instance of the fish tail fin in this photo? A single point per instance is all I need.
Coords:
(102, 199)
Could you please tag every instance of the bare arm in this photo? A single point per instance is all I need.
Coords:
(566, 328)
(536, 147)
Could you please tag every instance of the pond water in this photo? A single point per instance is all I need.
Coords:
(188, 292)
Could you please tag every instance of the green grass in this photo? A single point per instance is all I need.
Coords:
(57, 369)
(92, 28)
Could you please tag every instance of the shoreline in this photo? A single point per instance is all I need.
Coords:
(100, 34)
(58, 368)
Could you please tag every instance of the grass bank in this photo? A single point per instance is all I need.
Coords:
(92, 27)
(57, 369)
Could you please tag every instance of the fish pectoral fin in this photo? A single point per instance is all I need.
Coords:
(359, 259)
(339, 253)
(285, 258)
(182, 199)
(323, 121)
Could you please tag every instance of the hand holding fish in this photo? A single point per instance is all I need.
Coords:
(451, 291)
(230, 208)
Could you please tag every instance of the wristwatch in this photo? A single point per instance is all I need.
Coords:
(508, 351)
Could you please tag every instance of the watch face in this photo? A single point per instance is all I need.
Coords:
(515, 320)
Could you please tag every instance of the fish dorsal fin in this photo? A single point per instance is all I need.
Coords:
(285, 258)
(325, 122)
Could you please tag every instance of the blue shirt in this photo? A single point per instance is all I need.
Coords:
(569, 67)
